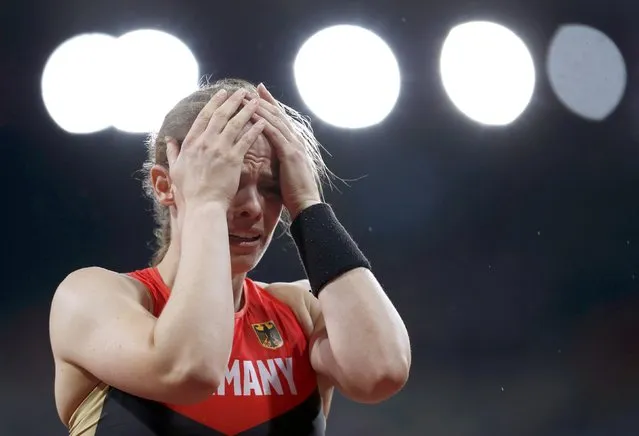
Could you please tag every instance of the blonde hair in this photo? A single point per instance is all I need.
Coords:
(177, 124)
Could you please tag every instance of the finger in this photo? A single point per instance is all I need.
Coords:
(275, 109)
(233, 128)
(203, 118)
(272, 104)
(266, 94)
(172, 150)
(274, 135)
(251, 95)
(276, 121)
(249, 137)
(224, 113)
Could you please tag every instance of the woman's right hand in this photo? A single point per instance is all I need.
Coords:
(207, 168)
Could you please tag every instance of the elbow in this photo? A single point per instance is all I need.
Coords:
(190, 371)
(377, 384)
(206, 378)
(193, 384)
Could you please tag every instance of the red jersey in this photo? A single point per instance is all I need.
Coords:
(269, 388)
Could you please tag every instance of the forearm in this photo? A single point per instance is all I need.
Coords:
(367, 336)
(365, 348)
(195, 328)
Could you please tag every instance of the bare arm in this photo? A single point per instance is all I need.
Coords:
(364, 348)
(360, 342)
(308, 314)
(99, 324)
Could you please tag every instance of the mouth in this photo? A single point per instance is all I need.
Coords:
(244, 239)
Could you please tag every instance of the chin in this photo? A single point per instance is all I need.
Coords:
(243, 263)
(241, 267)
(246, 258)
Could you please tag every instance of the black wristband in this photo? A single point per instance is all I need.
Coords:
(325, 247)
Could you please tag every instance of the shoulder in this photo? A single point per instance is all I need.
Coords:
(291, 293)
(90, 287)
(94, 280)
(297, 286)
(296, 295)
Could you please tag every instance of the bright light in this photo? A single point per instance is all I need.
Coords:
(153, 71)
(94, 81)
(347, 76)
(75, 83)
(587, 71)
(487, 72)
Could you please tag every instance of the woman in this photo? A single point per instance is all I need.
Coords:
(191, 346)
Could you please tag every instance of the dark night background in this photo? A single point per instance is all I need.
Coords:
(512, 253)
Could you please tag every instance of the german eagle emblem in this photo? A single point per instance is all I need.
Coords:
(268, 335)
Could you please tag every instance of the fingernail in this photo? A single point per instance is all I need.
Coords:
(167, 139)
(221, 93)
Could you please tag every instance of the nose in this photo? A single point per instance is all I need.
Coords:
(247, 204)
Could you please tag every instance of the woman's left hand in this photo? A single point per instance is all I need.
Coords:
(297, 182)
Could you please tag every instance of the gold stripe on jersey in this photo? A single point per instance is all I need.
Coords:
(84, 420)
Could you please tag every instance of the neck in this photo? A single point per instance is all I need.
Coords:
(168, 268)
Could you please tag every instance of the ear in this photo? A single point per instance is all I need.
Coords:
(162, 185)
